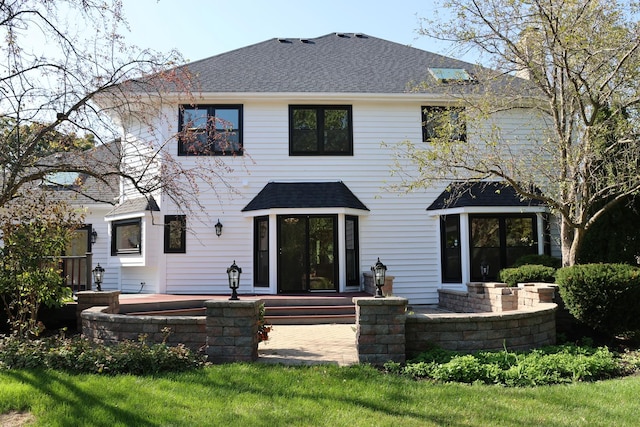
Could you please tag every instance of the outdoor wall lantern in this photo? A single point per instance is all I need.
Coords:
(218, 227)
(234, 280)
(94, 236)
(98, 275)
(484, 270)
(379, 271)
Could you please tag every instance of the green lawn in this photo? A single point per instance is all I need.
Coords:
(263, 395)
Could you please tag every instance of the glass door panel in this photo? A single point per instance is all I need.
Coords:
(322, 254)
(307, 253)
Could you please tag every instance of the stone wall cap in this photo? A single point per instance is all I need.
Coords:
(240, 303)
(98, 293)
(380, 301)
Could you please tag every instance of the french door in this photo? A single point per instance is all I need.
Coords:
(307, 253)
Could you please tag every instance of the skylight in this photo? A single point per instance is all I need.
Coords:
(64, 179)
(451, 75)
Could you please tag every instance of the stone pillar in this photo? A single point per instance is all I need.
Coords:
(380, 335)
(88, 299)
(232, 330)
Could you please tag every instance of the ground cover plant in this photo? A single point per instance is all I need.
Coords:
(549, 365)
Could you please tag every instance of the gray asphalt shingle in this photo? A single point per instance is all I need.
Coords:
(305, 195)
(494, 194)
(333, 63)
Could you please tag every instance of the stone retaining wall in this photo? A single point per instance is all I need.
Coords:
(514, 330)
(103, 327)
(228, 332)
(489, 316)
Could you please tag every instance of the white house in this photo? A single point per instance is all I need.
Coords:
(310, 127)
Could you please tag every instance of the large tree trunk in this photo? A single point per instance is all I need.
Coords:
(571, 240)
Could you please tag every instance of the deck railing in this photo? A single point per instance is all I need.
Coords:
(76, 270)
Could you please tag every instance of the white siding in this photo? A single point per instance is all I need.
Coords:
(397, 228)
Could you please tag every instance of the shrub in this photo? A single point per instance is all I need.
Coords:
(78, 355)
(526, 274)
(603, 296)
(546, 260)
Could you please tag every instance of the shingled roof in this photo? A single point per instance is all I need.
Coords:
(334, 63)
(305, 195)
(491, 194)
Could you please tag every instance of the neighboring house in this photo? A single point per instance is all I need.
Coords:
(305, 121)
(96, 197)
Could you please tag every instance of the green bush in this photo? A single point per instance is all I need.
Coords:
(78, 355)
(546, 260)
(527, 274)
(603, 296)
(549, 365)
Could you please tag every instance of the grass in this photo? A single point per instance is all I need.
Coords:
(267, 395)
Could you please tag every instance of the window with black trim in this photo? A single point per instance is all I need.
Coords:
(325, 130)
(499, 240)
(443, 122)
(261, 256)
(351, 250)
(451, 252)
(126, 237)
(208, 130)
(175, 234)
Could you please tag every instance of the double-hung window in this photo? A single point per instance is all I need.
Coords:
(209, 130)
(325, 130)
(443, 123)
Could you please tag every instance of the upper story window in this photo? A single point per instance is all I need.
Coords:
(443, 122)
(126, 237)
(175, 234)
(209, 130)
(325, 130)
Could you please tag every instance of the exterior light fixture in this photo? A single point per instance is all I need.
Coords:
(98, 275)
(94, 236)
(379, 271)
(218, 227)
(234, 280)
(484, 270)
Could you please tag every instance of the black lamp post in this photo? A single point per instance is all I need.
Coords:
(234, 280)
(98, 275)
(379, 271)
(218, 228)
(484, 270)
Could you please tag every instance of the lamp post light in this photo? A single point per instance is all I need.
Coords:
(218, 228)
(484, 270)
(98, 275)
(234, 280)
(379, 271)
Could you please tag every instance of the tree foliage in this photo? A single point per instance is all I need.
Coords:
(572, 67)
(68, 79)
(35, 232)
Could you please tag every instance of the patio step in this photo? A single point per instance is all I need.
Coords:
(310, 311)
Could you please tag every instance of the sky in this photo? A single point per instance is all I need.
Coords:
(202, 28)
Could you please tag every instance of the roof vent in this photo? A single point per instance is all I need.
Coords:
(305, 41)
(342, 35)
(284, 40)
(360, 35)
